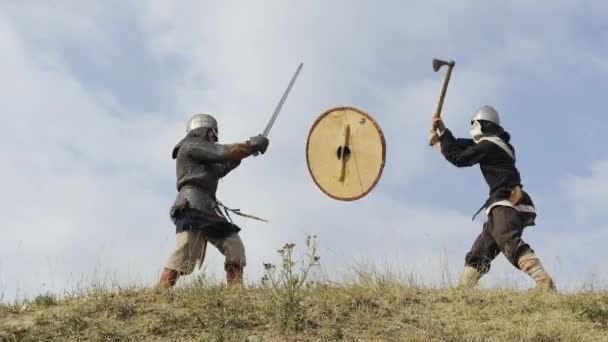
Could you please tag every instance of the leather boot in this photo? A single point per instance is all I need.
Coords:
(168, 278)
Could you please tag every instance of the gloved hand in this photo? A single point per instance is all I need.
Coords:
(259, 143)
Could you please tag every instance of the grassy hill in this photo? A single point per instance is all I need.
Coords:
(287, 306)
(373, 311)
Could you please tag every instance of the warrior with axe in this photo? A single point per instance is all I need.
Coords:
(509, 209)
(197, 214)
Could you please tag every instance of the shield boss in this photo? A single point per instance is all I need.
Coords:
(345, 153)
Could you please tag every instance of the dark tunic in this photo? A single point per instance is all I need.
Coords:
(497, 167)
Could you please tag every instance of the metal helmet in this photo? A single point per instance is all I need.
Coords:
(201, 120)
(486, 113)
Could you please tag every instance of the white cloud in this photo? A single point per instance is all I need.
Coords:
(48, 24)
(589, 194)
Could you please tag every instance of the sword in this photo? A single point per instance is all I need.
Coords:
(280, 105)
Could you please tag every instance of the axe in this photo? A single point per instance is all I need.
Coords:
(437, 64)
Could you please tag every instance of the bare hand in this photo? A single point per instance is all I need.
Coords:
(438, 124)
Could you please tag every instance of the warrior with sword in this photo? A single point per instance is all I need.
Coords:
(197, 214)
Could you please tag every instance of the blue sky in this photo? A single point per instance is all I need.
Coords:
(95, 96)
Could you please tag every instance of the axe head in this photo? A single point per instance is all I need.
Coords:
(438, 63)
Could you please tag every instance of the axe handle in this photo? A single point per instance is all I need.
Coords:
(434, 138)
(444, 89)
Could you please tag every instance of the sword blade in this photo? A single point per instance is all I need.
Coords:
(280, 105)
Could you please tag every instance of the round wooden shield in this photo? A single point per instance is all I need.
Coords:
(345, 153)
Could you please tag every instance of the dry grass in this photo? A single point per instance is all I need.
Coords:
(378, 311)
(288, 307)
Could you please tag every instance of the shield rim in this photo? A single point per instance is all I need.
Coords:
(375, 182)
